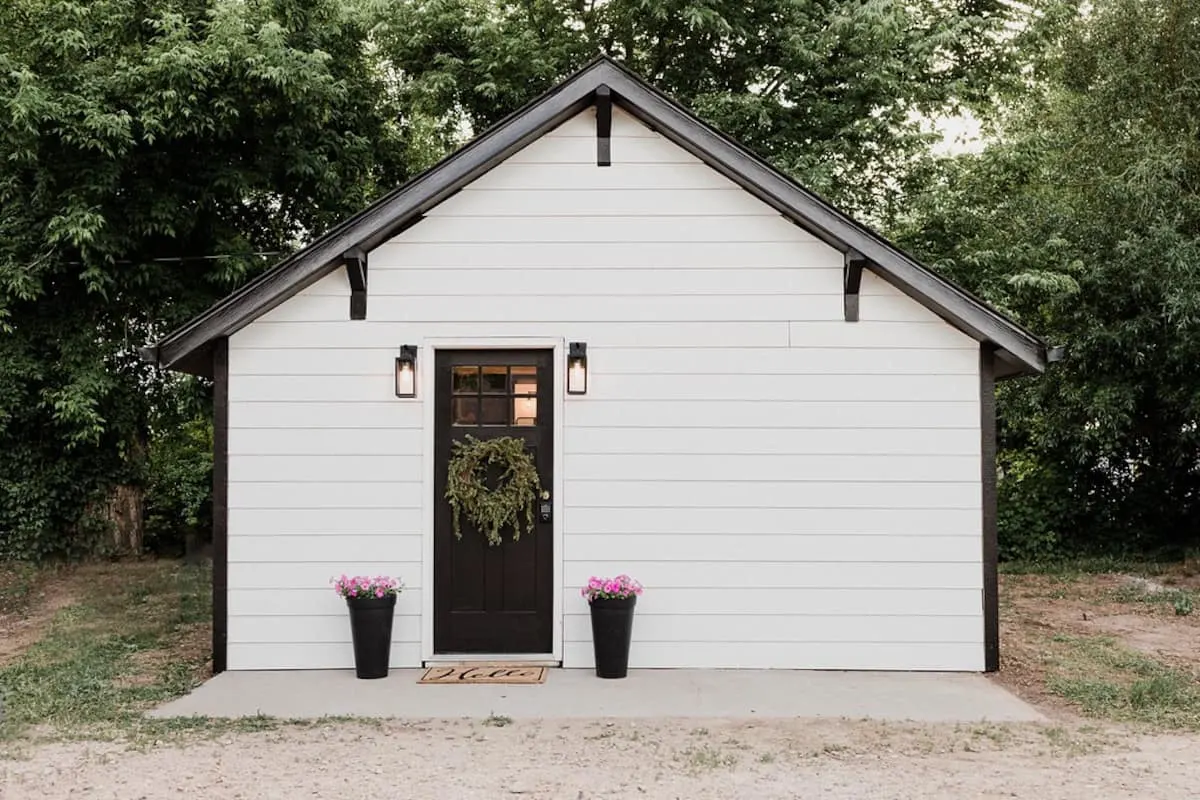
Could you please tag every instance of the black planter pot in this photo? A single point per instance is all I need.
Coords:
(612, 629)
(371, 629)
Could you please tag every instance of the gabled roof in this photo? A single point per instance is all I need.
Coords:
(186, 348)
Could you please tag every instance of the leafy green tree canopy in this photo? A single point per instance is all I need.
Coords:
(1083, 218)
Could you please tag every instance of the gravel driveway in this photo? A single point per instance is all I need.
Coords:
(664, 759)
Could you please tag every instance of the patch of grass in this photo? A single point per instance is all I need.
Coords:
(1078, 567)
(17, 580)
(706, 758)
(497, 721)
(112, 654)
(1108, 681)
(766, 758)
(1181, 600)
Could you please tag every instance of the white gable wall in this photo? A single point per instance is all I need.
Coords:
(794, 490)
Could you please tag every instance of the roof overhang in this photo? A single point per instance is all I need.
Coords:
(1018, 350)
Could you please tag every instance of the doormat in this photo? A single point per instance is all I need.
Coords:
(484, 673)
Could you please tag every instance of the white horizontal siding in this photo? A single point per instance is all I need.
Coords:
(324, 521)
(289, 495)
(592, 281)
(697, 521)
(257, 415)
(797, 546)
(798, 628)
(310, 574)
(598, 203)
(334, 547)
(769, 441)
(310, 602)
(867, 414)
(329, 629)
(380, 334)
(760, 467)
(750, 601)
(621, 177)
(324, 468)
(747, 390)
(533, 307)
(718, 363)
(770, 494)
(580, 230)
(858, 574)
(326, 441)
(722, 363)
(795, 490)
(715, 654)
(311, 655)
(534, 257)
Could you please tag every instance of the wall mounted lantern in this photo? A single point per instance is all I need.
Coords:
(577, 368)
(406, 371)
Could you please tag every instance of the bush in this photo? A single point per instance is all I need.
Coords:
(179, 486)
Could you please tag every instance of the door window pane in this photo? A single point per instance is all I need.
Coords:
(495, 411)
(466, 380)
(465, 411)
(495, 380)
(524, 411)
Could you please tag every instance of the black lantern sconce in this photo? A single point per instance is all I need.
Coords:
(406, 371)
(577, 368)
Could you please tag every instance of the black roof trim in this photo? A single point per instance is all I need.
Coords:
(1019, 350)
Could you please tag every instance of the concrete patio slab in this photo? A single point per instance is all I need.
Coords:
(578, 694)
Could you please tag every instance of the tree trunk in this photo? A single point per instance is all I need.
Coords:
(125, 513)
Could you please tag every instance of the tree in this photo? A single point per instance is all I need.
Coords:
(830, 91)
(1083, 219)
(149, 149)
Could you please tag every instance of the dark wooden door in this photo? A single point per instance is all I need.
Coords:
(493, 599)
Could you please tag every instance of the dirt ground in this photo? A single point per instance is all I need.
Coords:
(1070, 757)
(1037, 610)
(668, 759)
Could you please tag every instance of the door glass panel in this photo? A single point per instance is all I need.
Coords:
(524, 381)
(495, 411)
(466, 380)
(495, 380)
(524, 411)
(465, 411)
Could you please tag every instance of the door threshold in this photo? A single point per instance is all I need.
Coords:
(529, 659)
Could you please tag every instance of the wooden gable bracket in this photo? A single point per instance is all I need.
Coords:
(851, 282)
(356, 271)
(603, 126)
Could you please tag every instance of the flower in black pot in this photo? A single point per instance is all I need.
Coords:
(372, 604)
(612, 601)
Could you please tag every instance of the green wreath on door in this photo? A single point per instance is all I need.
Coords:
(511, 504)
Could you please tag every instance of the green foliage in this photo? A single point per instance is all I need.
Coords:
(515, 486)
(827, 90)
(179, 484)
(147, 149)
(1082, 219)
(1034, 509)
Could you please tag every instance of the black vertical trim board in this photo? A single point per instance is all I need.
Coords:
(603, 126)
(991, 579)
(220, 504)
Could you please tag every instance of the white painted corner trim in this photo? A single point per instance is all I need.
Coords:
(426, 360)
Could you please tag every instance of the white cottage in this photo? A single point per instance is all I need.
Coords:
(787, 430)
